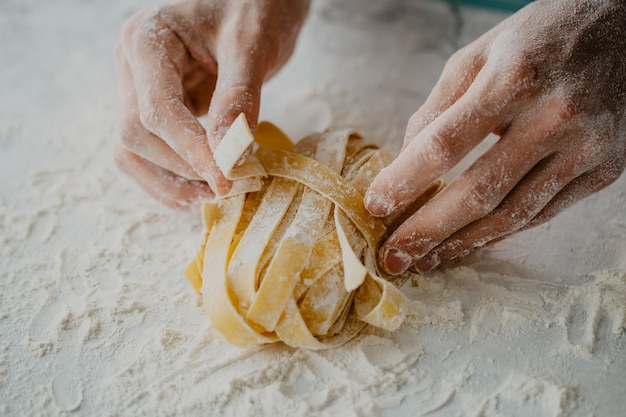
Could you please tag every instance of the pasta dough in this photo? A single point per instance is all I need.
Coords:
(289, 254)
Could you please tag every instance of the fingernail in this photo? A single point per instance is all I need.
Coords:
(379, 205)
(397, 261)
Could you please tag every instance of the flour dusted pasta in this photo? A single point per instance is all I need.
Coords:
(289, 255)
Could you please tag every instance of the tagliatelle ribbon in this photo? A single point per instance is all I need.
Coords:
(292, 257)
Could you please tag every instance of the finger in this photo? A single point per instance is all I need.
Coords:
(458, 74)
(157, 58)
(132, 133)
(478, 191)
(441, 144)
(239, 80)
(518, 209)
(162, 185)
(583, 186)
(149, 147)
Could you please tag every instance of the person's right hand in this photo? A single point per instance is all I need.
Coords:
(550, 80)
(180, 61)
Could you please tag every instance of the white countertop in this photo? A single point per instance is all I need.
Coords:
(96, 318)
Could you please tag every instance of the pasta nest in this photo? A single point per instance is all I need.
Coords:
(290, 253)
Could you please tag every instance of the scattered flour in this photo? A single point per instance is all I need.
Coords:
(544, 397)
(96, 318)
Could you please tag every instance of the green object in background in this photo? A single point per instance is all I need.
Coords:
(507, 5)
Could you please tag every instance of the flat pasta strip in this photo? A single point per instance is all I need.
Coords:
(324, 302)
(244, 186)
(243, 274)
(234, 144)
(217, 301)
(329, 184)
(193, 274)
(325, 255)
(353, 269)
(284, 270)
(295, 260)
(378, 302)
(270, 136)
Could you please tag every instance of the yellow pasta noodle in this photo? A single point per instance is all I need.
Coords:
(289, 255)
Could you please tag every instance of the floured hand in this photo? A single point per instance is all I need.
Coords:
(180, 61)
(551, 82)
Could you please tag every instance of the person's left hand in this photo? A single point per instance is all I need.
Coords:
(551, 82)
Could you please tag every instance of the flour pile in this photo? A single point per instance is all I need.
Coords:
(96, 318)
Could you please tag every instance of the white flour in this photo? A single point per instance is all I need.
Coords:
(96, 318)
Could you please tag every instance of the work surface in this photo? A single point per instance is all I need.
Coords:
(96, 318)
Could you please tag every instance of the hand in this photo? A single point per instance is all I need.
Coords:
(551, 82)
(180, 61)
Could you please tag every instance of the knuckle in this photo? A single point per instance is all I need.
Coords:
(150, 114)
(142, 24)
(504, 82)
(122, 158)
(560, 112)
(481, 199)
(442, 148)
(241, 93)
(415, 121)
(460, 59)
(128, 132)
(515, 218)
(612, 170)
(592, 152)
(509, 81)
(130, 26)
(567, 107)
(418, 121)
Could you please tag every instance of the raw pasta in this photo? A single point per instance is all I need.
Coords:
(291, 256)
